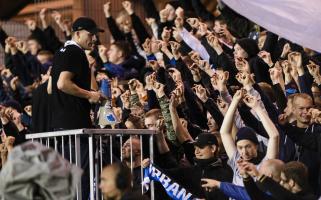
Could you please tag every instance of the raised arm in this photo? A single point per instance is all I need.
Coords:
(273, 144)
(181, 132)
(227, 125)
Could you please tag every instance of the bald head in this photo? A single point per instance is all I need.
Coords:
(115, 180)
(272, 168)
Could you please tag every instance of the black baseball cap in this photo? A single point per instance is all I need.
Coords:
(205, 139)
(86, 23)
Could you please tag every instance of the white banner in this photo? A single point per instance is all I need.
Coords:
(296, 20)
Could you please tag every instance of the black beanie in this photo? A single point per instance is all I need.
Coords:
(249, 45)
(246, 133)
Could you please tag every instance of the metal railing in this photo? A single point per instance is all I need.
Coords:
(69, 143)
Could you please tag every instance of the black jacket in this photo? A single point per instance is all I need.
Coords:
(309, 139)
(268, 185)
(190, 177)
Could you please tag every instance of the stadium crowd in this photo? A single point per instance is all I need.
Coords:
(236, 107)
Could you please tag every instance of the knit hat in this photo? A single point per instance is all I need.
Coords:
(246, 133)
(250, 46)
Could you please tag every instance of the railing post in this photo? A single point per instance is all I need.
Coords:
(75, 151)
(91, 166)
(78, 163)
(151, 155)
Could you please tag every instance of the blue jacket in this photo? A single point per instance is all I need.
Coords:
(234, 191)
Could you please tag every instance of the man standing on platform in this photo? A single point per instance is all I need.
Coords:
(73, 89)
(73, 84)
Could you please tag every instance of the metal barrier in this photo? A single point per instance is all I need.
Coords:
(68, 143)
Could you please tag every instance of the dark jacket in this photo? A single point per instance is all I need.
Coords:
(310, 140)
(278, 192)
(190, 177)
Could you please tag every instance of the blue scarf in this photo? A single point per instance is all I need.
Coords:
(173, 189)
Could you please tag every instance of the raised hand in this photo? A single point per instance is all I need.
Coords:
(132, 85)
(295, 59)
(149, 80)
(251, 101)
(127, 5)
(153, 64)
(146, 46)
(11, 41)
(195, 56)
(219, 80)
(214, 43)
(275, 74)
(239, 94)
(179, 22)
(315, 115)
(176, 33)
(160, 125)
(194, 69)
(125, 99)
(159, 89)
(222, 105)
(56, 16)
(42, 13)
(42, 16)
(266, 57)
(166, 34)
(286, 67)
(286, 50)
(193, 22)
(179, 93)
(31, 24)
(205, 66)
(106, 8)
(14, 83)
(163, 46)
(245, 79)
(22, 46)
(102, 50)
(179, 12)
(200, 93)
(6, 73)
(163, 15)
(66, 26)
(175, 47)
(314, 69)
(242, 65)
(248, 168)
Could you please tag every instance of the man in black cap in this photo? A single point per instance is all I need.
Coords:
(207, 165)
(74, 87)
